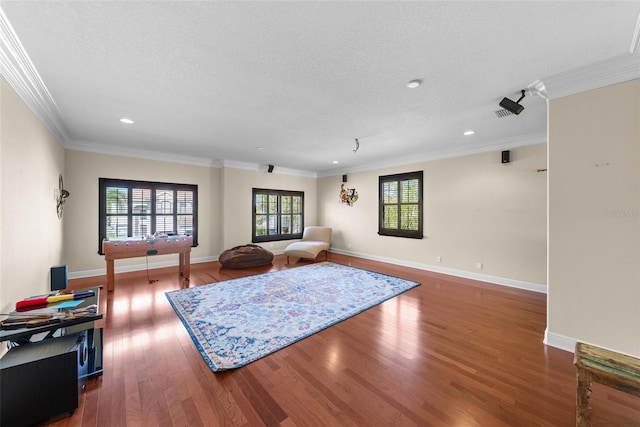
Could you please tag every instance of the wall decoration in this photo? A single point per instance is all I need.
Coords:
(61, 197)
(348, 195)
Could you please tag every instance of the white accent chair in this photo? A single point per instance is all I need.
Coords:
(315, 239)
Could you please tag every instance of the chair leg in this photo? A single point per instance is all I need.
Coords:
(287, 259)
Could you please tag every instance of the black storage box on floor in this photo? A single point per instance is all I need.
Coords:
(40, 380)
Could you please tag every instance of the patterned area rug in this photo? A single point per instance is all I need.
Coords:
(235, 322)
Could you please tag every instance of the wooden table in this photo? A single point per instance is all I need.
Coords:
(134, 248)
(606, 367)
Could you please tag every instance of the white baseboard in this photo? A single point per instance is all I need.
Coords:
(535, 287)
(559, 341)
(449, 271)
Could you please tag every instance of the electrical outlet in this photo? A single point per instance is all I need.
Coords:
(438, 258)
(479, 265)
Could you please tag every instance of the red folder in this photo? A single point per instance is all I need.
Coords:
(31, 302)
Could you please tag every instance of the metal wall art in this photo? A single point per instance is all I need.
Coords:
(61, 196)
(348, 195)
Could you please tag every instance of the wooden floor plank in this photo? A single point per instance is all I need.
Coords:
(452, 351)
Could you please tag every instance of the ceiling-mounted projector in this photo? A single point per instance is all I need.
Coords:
(511, 106)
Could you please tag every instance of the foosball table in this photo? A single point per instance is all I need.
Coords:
(133, 248)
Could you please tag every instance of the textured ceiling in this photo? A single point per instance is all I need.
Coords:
(213, 81)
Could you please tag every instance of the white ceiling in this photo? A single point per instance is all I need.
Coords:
(213, 81)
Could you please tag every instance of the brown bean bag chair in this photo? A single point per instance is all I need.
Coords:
(245, 256)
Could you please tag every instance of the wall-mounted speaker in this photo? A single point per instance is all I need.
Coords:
(506, 156)
(270, 169)
(344, 178)
(58, 278)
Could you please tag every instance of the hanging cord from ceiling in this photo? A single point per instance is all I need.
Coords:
(357, 146)
(149, 279)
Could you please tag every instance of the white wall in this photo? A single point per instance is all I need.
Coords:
(81, 211)
(224, 206)
(237, 206)
(476, 209)
(594, 218)
(31, 235)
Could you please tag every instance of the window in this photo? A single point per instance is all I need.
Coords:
(140, 208)
(277, 215)
(400, 205)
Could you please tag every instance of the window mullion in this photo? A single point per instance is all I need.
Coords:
(399, 207)
(129, 211)
(153, 210)
(279, 214)
(175, 209)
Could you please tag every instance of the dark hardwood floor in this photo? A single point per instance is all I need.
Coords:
(451, 352)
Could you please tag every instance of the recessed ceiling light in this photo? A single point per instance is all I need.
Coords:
(469, 132)
(127, 121)
(335, 162)
(414, 83)
(260, 148)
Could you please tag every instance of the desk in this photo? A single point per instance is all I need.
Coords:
(23, 335)
(133, 248)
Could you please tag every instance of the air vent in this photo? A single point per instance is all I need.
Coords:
(503, 113)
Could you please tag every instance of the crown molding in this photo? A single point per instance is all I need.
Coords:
(635, 41)
(255, 167)
(176, 158)
(141, 154)
(20, 73)
(463, 150)
(234, 164)
(617, 69)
